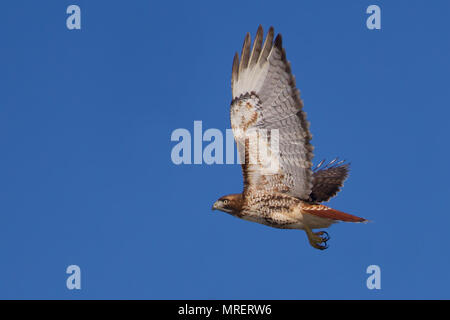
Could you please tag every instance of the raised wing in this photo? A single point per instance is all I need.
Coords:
(267, 108)
(328, 180)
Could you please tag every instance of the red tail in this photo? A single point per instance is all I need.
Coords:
(322, 211)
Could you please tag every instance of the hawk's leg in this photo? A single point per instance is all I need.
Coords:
(317, 239)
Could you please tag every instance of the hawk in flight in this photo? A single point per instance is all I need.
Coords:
(281, 189)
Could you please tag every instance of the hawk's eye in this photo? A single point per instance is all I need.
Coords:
(226, 202)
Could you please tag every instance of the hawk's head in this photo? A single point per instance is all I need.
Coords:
(231, 203)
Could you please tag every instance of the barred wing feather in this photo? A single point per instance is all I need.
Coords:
(265, 98)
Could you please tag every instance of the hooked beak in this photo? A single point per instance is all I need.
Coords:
(215, 206)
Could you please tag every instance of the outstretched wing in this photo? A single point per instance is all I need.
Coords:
(328, 180)
(267, 108)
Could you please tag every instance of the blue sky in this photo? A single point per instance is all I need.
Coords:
(86, 176)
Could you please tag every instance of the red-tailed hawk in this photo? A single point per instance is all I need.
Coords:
(270, 127)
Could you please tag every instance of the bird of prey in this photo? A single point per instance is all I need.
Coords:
(267, 113)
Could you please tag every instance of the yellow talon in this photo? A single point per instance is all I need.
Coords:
(317, 240)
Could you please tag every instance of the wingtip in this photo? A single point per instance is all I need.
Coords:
(248, 36)
(279, 41)
(236, 57)
(259, 33)
(235, 69)
(247, 42)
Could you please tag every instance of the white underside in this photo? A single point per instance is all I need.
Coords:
(299, 221)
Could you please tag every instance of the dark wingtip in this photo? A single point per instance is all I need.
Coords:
(248, 36)
(236, 58)
(235, 66)
(279, 41)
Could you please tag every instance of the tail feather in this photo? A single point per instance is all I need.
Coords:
(322, 211)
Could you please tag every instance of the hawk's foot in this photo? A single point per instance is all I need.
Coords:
(318, 239)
